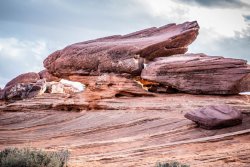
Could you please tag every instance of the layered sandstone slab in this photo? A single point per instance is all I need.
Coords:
(121, 54)
(198, 73)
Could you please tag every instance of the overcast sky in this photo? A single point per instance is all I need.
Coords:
(30, 30)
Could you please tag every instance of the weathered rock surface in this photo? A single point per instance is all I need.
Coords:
(58, 87)
(21, 91)
(54, 87)
(121, 54)
(109, 85)
(126, 131)
(44, 74)
(212, 117)
(198, 73)
(245, 84)
(30, 77)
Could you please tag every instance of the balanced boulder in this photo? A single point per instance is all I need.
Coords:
(213, 117)
(121, 54)
(198, 73)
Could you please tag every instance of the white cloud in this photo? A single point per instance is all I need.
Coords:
(223, 31)
(18, 49)
(20, 56)
(222, 21)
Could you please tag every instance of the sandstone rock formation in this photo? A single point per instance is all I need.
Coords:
(245, 84)
(30, 77)
(198, 73)
(117, 120)
(126, 131)
(44, 74)
(110, 85)
(121, 54)
(212, 117)
(20, 91)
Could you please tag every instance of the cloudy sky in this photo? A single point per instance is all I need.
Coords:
(32, 29)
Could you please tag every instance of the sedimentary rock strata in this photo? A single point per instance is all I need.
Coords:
(198, 73)
(110, 85)
(126, 131)
(121, 54)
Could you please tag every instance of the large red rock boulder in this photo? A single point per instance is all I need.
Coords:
(198, 73)
(30, 77)
(121, 54)
(213, 117)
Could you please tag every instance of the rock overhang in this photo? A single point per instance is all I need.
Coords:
(121, 54)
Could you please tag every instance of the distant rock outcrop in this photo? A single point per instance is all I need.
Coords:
(121, 54)
(212, 117)
(198, 73)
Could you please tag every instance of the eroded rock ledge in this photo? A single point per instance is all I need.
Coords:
(121, 54)
(198, 73)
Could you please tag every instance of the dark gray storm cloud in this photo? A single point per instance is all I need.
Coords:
(217, 3)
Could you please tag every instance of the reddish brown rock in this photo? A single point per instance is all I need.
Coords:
(110, 86)
(30, 77)
(44, 74)
(126, 131)
(213, 117)
(198, 73)
(245, 84)
(121, 54)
